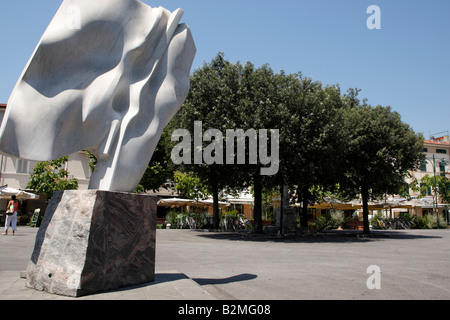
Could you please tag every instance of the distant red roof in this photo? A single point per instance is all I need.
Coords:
(3, 105)
(438, 141)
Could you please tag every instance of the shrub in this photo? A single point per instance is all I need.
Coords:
(432, 221)
(419, 223)
(406, 216)
(321, 223)
(332, 220)
(171, 218)
(336, 219)
(230, 214)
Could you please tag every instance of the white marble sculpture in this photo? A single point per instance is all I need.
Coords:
(107, 76)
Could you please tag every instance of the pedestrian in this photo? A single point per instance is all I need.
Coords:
(11, 215)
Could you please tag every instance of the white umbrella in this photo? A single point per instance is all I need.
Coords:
(174, 202)
(7, 192)
(210, 202)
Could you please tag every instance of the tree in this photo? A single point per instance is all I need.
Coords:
(50, 176)
(213, 100)
(311, 139)
(262, 107)
(231, 96)
(379, 151)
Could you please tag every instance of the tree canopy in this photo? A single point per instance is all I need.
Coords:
(325, 138)
(380, 150)
(228, 96)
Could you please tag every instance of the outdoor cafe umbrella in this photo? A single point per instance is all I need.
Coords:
(6, 193)
(210, 202)
(174, 202)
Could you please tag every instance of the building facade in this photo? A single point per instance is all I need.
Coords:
(16, 172)
(437, 162)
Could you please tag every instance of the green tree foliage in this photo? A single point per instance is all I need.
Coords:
(50, 176)
(224, 96)
(440, 185)
(262, 107)
(379, 151)
(311, 138)
(190, 186)
(213, 99)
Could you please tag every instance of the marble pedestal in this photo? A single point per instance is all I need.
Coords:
(289, 220)
(94, 241)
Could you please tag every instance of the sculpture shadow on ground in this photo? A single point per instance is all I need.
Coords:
(334, 236)
(169, 277)
(161, 278)
(237, 278)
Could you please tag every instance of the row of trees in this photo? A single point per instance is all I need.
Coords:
(329, 142)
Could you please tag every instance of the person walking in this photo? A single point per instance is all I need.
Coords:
(11, 215)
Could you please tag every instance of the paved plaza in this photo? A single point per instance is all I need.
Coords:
(200, 265)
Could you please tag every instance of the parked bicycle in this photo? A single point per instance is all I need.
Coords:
(242, 222)
(385, 224)
(233, 222)
(180, 221)
(402, 223)
(397, 223)
(191, 222)
(226, 223)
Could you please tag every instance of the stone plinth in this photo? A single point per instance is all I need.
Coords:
(289, 219)
(94, 241)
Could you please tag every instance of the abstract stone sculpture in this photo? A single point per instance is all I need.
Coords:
(107, 76)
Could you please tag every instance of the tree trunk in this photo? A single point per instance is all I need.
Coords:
(257, 210)
(216, 211)
(281, 209)
(365, 200)
(304, 212)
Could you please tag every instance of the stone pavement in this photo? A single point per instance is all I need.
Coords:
(195, 265)
(170, 285)
(16, 251)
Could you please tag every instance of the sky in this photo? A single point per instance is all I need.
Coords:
(405, 64)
